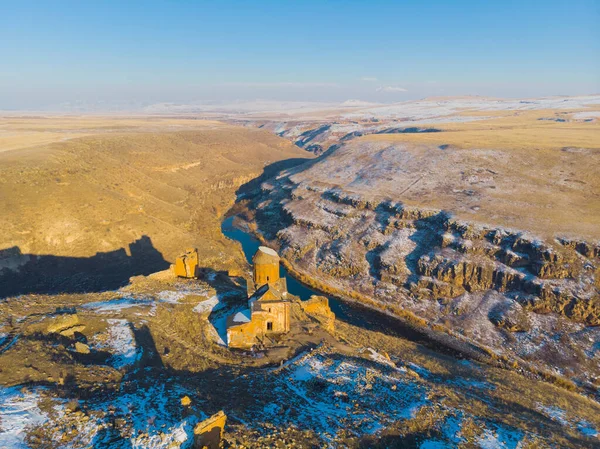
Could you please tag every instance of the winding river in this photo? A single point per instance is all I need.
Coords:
(250, 245)
(349, 312)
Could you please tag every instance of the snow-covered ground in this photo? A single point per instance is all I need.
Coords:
(215, 308)
(354, 109)
(18, 410)
(116, 305)
(322, 391)
(328, 394)
(427, 109)
(122, 343)
(586, 115)
(559, 415)
(153, 416)
(212, 304)
(119, 340)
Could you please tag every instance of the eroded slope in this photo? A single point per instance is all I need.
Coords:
(87, 213)
(488, 231)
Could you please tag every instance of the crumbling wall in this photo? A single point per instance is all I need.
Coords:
(208, 433)
(186, 265)
(246, 335)
(317, 307)
(243, 336)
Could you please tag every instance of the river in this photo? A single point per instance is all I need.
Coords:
(250, 245)
(347, 311)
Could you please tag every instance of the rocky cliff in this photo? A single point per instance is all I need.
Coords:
(535, 300)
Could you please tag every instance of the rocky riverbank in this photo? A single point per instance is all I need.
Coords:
(531, 301)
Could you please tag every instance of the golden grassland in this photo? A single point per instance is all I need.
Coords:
(26, 131)
(515, 131)
(170, 180)
(519, 171)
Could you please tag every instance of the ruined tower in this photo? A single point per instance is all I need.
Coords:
(266, 267)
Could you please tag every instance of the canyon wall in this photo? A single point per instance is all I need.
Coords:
(532, 298)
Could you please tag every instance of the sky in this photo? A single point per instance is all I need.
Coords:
(127, 54)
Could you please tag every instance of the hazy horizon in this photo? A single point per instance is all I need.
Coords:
(109, 56)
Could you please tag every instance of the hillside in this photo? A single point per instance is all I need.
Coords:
(482, 224)
(87, 213)
(452, 328)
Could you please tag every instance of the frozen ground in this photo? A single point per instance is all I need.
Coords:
(318, 131)
(353, 109)
(340, 395)
(116, 305)
(408, 223)
(119, 340)
(18, 410)
(152, 417)
(329, 393)
(215, 308)
(337, 394)
(426, 109)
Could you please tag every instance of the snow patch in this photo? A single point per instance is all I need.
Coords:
(587, 429)
(218, 330)
(210, 305)
(172, 437)
(243, 317)
(500, 438)
(586, 115)
(117, 304)
(555, 413)
(328, 393)
(121, 343)
(171, 297)
(18, 410)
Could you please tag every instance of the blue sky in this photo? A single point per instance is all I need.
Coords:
(143, 52)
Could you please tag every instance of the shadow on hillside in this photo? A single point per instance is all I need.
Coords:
(22, 274)
(275, 169)
(270, 171)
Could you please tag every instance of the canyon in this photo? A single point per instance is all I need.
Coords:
(456, 239)
(486, 229)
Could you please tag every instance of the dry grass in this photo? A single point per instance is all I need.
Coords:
(102, 192)
(517, 131)
(509, 398)
(23, 132)
(515, 171)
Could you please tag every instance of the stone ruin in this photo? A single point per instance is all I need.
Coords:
(209, 433)
(317, 307)
(65, 324)
(186, 265)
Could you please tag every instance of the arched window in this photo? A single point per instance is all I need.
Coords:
(269, 326)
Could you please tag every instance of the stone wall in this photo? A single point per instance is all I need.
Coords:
(208, 433)
(317, 307)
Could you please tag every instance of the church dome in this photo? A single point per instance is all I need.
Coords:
(265, 255)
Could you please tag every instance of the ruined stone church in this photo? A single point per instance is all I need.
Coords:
(268, 311)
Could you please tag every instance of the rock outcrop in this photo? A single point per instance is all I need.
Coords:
(432, 265)
(65, 324)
